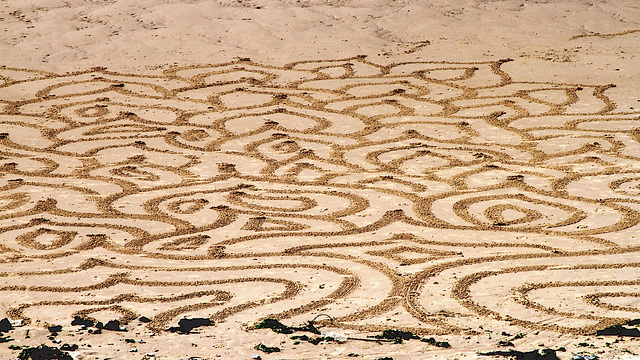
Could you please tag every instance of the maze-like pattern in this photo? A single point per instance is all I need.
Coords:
(419, 195)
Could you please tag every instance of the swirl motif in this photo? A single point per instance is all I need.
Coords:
(438, 191)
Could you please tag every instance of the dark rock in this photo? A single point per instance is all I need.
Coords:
(55, 329)
(129, 341)
(67, 347)
(80, 321)
(619, 331)
(113, 325)
(145, 319)
(5, 325)
(186, 325)
(633, 322)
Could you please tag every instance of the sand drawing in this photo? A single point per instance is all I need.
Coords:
(420, 195)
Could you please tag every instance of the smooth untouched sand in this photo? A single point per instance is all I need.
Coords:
(464, 170)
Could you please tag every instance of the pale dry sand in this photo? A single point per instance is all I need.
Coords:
(464, 170)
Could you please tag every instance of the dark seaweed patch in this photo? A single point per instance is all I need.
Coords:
(267, 349)
(542, 354)
(43, 352)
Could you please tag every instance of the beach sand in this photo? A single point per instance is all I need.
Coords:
(467, 171)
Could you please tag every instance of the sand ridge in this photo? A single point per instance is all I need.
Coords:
(344, 171)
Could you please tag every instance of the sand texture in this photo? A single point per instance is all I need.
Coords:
(467, 171)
